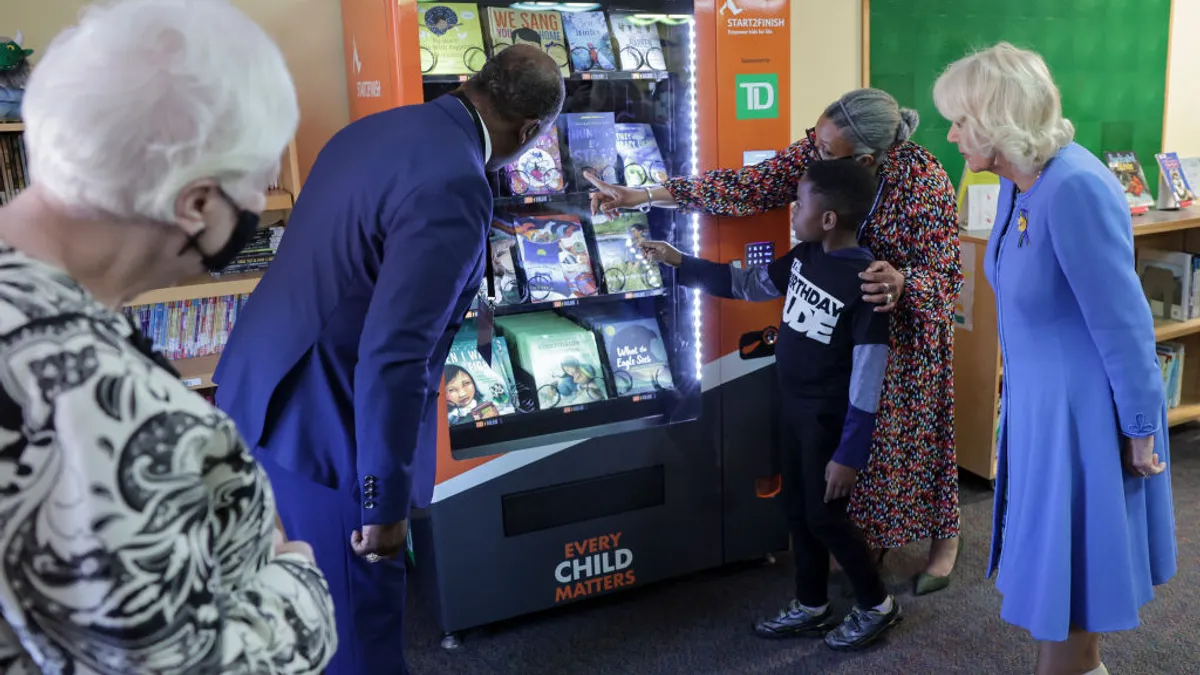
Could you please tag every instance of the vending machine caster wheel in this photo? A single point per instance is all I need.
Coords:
(450, 642)
(769, 559)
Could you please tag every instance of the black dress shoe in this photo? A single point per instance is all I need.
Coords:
(795, 621)
(862, 627)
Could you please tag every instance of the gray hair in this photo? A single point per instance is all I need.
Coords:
(874, 120)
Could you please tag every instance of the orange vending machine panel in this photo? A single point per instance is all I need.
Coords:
(616, 436)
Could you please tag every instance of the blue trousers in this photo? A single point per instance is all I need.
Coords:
(368, 599)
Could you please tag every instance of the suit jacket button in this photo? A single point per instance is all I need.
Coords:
(369, 504)
(369, 480)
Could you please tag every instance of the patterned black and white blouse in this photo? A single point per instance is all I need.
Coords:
(136, 532)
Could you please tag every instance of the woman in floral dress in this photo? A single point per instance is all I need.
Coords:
(909, 491)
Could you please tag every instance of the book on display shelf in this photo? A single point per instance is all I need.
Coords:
(450, 37)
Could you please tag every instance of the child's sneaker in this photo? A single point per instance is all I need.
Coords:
(796, 620)
(861, 627)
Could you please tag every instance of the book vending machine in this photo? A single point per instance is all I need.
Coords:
(620, 434)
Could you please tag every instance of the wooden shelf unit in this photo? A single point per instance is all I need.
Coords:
(978, 371)
(197, 372)
(201, 287)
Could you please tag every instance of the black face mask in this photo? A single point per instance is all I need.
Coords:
(243, 232)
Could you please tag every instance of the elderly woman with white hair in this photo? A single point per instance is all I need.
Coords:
(137, 534)
(1084, 526)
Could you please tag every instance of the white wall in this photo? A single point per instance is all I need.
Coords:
(826, 56)
(1181, 132)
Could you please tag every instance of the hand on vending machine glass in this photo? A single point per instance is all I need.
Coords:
(609, 198)
(661, 252)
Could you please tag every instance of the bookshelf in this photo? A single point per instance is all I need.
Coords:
(197, 372)
(978, 371)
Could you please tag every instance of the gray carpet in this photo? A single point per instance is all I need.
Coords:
(699, 625)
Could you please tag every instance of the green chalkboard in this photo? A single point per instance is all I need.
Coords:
(1109, 58)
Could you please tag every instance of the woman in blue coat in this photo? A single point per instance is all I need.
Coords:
(1084, 527)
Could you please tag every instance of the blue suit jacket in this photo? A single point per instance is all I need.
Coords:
(334, 364)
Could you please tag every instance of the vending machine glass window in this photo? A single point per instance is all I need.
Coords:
(591, 338)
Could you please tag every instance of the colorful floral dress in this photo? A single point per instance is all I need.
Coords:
(909, 490)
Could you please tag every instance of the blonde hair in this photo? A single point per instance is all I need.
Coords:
(142, 97)
(1006, 103)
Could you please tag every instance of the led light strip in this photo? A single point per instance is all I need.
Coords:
(694, 168)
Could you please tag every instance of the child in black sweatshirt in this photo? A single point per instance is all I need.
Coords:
(831, 355)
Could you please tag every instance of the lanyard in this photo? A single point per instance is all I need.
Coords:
(874, 205)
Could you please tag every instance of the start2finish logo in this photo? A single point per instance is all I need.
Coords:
(756, 96)
(593, 566)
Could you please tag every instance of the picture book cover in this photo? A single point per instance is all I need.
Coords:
(451, 38)
(589, 40)
(1126, 167)
(1174, 180)
(622, 265)
(474, 390)
(591, 145)
(542, 29)
(636, 355)
(538, 171)
(638, 44)
(566, 369)
(501, 245)
(641, 161)
(1191, 170)
(554, 257)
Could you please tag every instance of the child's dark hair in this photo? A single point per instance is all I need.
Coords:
(846, 186)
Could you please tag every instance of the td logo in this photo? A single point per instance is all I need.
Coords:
(756, 96)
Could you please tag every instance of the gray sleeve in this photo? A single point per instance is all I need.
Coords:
(866, 379)
(753, 284)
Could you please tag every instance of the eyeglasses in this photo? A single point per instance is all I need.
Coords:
(812, 140)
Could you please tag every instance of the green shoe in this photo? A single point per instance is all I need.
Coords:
(926, 583)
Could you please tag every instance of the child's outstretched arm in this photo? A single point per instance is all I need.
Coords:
(724, 281)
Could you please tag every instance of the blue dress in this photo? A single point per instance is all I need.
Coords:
(1077, 541)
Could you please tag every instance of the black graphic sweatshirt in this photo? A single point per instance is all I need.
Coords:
(832, 349)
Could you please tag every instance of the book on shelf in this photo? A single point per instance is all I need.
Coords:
(1128, 170)
(590, 41)
(1174, 188)
(639, 47)
(555, 261)
(623, 267)
(451, 38)
(1170, 359)
(258, 254)
(476, 390)
(542, 29)
(186, 329)
(538, 171)
(556, 359)
(634, 352)
(14, 167)
(641, 161)
(591, 146)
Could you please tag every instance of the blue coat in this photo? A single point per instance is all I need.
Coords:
(334, 364)
(1077, 540)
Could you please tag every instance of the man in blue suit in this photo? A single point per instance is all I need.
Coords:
(334, 366)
